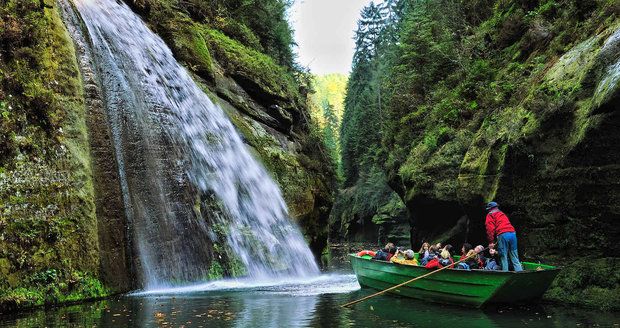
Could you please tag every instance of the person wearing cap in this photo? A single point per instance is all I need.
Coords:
(499, 228)
(408, 259)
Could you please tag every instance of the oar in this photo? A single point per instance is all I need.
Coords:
(409, 281)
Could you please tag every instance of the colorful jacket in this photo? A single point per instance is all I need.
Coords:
(396, 259)
(436, 263)
(433, 264)
(497, 223)
(382, 255)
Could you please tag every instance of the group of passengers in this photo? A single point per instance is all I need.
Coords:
(501, 254)
(438, 256)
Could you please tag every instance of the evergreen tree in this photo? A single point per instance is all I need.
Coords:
(375, 36)
(330, 131)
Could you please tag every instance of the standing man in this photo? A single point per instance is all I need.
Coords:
(498, 226)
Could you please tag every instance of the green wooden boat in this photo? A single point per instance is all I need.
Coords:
(475, 288)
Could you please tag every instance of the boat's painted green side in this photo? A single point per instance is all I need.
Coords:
(469, 288)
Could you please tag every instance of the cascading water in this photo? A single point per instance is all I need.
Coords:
(173, 147)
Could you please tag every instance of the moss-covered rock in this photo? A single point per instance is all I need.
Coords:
(370, 211)
(260, 76)
(264, 100)
(62, 226)
(188, 43)
(48, 228)
(544, 145)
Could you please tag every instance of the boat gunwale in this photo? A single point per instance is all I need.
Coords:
(492, 272)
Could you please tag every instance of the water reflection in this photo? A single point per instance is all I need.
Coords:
(277, 312)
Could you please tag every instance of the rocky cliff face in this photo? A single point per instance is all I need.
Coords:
(63, 234)
(49, 247)
(549, 155)
(479, 100)
(265, 102)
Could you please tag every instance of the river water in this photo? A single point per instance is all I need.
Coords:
(310, 303)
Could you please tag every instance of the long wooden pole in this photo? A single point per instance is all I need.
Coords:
(408, 281)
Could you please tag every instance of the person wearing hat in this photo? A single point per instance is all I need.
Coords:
(499, 228)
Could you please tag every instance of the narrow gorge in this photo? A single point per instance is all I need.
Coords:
(152, 145)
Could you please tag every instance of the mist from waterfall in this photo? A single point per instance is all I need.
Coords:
(177, 150)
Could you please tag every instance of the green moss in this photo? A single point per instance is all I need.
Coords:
(48, 288)
(188, 44)
(593, 283)
(252, 66)
(49, 245)
(238, 31)
(216, 271)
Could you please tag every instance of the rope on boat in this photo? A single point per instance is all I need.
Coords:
(409, 281)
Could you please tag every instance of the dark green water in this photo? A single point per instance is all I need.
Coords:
(313, 303)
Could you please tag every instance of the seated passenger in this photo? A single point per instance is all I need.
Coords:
(439, 262)
(465, 249)
(482, 259)
(407, 257)
(493, 261)
(479, 249)
(432, 254)
(424, 250)
(446, 258)
(386, 253)
(472, 260)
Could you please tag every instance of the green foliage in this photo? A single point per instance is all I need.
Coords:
(215, 271)
(363, 119)
(50, 287)
(259, 24)
(189, 45)
(469, 86)
(252, 66)
(326, 106)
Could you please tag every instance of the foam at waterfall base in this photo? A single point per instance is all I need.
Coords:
(322, 284)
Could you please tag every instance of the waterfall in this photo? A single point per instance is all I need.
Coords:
(175, 148)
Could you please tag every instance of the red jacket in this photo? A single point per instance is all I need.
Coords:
(497, 223)
(434, 264)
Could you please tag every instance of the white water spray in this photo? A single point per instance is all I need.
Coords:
(174, 146)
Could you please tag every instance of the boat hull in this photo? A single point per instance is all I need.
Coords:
(474, 288)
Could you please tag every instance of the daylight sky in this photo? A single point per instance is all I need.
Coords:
(324, 33)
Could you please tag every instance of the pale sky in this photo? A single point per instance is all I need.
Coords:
(324, 33)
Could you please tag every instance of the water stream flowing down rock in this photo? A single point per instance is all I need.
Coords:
(177, 151)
